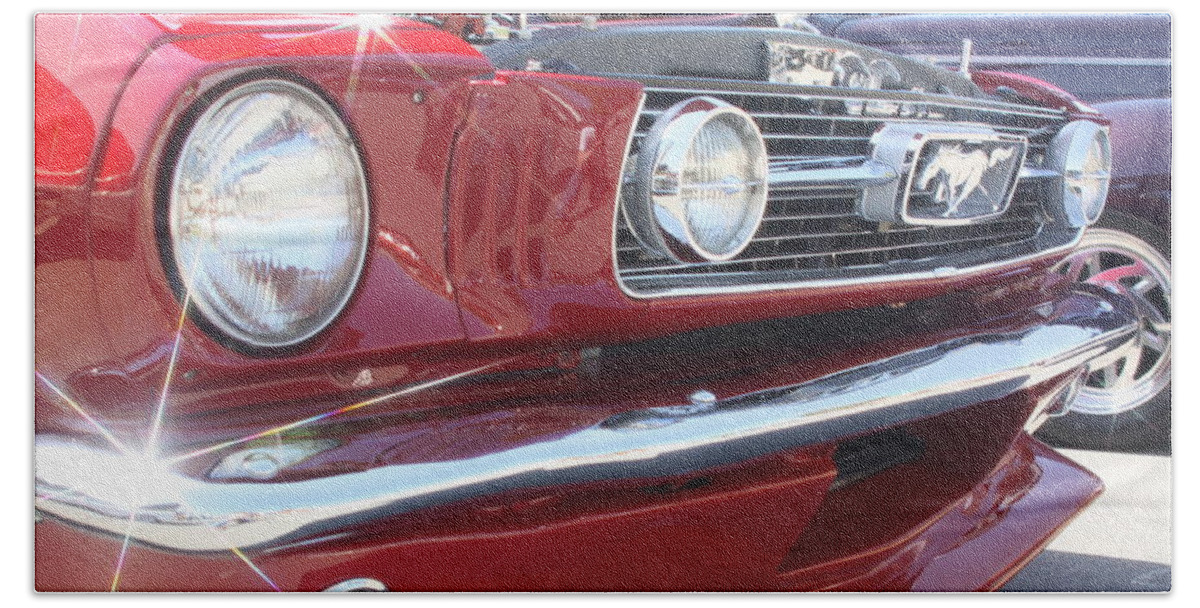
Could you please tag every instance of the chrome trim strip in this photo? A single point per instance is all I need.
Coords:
(794, 256)
(801, 256)
(626, 172)
(925, 98)
(1028, 172)
(869, 173)
(880, 119)
(798, 116)
(942, 273)
(357, 585)
(101, 489)
(937, 274)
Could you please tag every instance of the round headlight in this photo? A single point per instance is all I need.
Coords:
(1081, 153)
(268, 214)
(700, 182)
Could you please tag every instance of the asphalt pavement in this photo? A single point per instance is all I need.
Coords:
(1122, 542)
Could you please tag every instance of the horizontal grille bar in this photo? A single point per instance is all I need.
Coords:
(760, 116)
(1005, 231)
(975, 105)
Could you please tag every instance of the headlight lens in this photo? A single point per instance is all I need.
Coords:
(700, 182)
(1082, 154)
(268, 214)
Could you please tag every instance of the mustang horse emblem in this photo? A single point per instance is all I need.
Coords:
(959, 174)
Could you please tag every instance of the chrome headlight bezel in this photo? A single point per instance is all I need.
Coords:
(344, 159)
(654, 207)
(1081, 153)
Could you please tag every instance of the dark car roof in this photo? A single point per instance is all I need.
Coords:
(1055, 34)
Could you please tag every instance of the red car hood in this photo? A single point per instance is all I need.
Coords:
(218, 23)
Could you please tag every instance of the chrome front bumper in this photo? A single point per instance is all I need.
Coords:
(127, 494)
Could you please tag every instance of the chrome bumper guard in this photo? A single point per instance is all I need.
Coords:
(126, 495)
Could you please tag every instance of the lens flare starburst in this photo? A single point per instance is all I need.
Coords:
(150, 466)
(372, 27)
(145, 472)
(116, 581)
(156, 421)
(371, 35)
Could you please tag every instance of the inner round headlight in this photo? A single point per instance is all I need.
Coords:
(1082, 154)
(268, 214)
(700, 182)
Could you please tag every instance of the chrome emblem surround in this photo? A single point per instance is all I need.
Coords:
(948, 175)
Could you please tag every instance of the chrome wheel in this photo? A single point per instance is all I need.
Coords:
(1124, 264)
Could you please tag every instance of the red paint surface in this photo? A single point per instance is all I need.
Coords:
(765, 524)
(106, 317)
(595, 538)
(492, 216)
(201, 24)
(509, 408)
(531, 227)
(1038, 91)
(532, 196)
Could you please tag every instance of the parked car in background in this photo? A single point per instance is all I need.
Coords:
(1121, 65)
(1097, 57)
(347, 303)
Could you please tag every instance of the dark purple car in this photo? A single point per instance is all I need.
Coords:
(1121, 64)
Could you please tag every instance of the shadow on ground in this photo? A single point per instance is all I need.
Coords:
(1063, 571)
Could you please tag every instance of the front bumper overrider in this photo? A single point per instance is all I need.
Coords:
(109, 491)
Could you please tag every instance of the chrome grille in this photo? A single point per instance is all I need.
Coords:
(814, 232)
